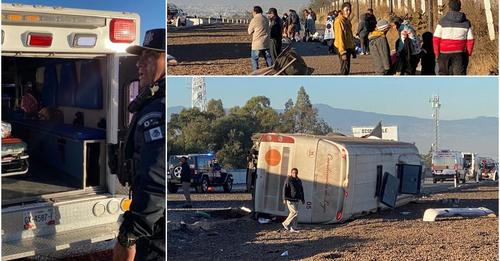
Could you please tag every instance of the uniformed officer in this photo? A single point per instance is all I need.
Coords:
(142, 233)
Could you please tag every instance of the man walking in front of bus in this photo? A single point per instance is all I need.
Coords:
(292, 194)
(142, 232)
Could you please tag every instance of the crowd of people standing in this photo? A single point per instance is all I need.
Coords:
(447, 51)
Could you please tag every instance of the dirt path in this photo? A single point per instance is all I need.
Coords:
(398, 234)
(224, 49)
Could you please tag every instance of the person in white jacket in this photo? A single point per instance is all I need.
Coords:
(261, 38)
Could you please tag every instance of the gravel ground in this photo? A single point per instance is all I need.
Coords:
(224, 49)
(397, 234)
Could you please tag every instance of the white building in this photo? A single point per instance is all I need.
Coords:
(388, 132)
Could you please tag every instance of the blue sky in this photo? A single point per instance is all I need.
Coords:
(152, 12)
(461, 97)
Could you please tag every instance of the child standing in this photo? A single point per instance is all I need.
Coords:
(380, 48)
(428, 57)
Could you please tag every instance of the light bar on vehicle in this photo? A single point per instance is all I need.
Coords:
(42, 19)
(122, 30)
(39, 39)
(84, 40)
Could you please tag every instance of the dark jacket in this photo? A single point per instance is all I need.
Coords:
(379, 49)
(292, 190)
(362, 26)
(185, 172)
(276, 25)
(146, 217)
(366, 25)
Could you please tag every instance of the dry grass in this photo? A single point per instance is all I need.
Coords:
(484, 60)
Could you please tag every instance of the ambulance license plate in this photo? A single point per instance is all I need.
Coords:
(38, 218)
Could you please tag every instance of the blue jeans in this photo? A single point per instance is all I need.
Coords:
(255, 58)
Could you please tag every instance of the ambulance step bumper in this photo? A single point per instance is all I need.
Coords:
(49, 244)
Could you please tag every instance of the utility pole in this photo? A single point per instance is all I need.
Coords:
(198, 93)
(435, 106)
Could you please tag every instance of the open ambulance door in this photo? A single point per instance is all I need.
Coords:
(122, 92)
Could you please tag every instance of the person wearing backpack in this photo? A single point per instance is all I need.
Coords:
(380, 48)
(408, 47)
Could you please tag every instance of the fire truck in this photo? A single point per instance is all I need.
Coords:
(76, 63)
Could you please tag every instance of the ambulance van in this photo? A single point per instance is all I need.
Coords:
(73, 62)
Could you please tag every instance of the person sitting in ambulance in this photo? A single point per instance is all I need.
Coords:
(29, 104)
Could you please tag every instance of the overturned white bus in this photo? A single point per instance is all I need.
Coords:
(342, 176)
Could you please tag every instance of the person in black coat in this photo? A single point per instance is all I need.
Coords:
(276, 36)
(142, 232)
(292, 194)
(428, 61)
(186, 181)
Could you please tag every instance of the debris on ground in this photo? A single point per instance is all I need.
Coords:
(246, 209)
(432, 213)
(202, 214)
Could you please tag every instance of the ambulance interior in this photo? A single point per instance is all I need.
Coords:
(66, 142)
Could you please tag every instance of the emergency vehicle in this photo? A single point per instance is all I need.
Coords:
(448, 164)
(77, 64)
(472, 165)
(343, 177)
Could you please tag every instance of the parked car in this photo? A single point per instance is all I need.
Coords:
(176, 16)
(206, 172)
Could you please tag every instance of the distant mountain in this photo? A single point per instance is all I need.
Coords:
(478, 135)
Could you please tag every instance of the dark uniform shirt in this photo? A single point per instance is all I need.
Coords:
(185, 172)
(146, 142)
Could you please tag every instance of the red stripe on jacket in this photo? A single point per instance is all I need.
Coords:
(452, 46)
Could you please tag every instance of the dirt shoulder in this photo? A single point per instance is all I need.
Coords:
(398, 234)
(224, 49)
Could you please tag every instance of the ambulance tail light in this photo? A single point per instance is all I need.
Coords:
(122, 31)
(125, 204)
(39, 39)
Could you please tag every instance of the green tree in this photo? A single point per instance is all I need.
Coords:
(216, 108)
(302, 117)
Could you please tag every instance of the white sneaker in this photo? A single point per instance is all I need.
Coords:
(286, 228)
(294, 230)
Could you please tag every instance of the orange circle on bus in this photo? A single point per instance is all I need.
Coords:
(273, 157)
